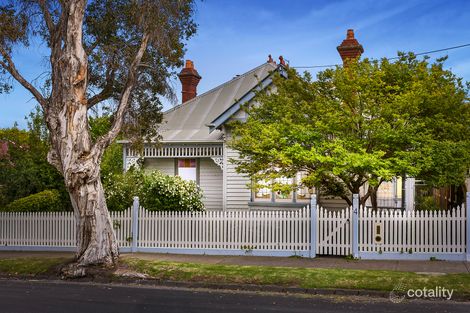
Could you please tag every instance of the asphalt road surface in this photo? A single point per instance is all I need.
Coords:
(65, 297)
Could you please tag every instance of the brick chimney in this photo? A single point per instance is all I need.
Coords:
(350, 48)
(189, 78)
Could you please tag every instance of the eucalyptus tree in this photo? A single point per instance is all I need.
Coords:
(358, 126)
(118, 52)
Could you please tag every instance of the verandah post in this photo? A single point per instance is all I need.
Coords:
(355, 226)
(467, 218)
(313, 226)
(135, 224)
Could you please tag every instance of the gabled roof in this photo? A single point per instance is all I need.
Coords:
(190, 121)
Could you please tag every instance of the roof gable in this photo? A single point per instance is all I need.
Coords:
(235, 107)
(189, 121)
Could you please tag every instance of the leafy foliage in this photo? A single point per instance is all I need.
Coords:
(156, 191)
(44, 201)
(426, 203)
(170, 193)
(24, 167)
(111, 162)
(363, 123)
(121, 188)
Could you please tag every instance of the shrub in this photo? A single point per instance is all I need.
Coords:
(44, 201)
(170, 193)
(427, 203)
(120, 189)
(157, 192)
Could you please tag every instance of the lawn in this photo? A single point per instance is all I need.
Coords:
(297, 277)
(29, 266)
(260, 275)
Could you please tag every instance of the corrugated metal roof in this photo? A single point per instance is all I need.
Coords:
(188, 121)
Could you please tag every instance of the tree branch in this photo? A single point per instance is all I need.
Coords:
(90, 48)
(106, 92)
(103, 95)
(106, 139)
(10, 67)
(47, 17)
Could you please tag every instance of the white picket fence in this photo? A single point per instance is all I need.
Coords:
(409, 232)
(226, 232)
(50, 229)
(56, 230)
(360, 232)
(392, 231)
(276, 233)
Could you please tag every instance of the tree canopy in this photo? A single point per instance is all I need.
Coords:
(113, 33)
(359, 125)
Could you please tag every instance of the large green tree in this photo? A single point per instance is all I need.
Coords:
(359, 125)
(116, 51)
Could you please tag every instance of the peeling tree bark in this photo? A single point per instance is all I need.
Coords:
(72, 150)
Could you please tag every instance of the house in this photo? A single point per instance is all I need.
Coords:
(195, 133)
(194, 136)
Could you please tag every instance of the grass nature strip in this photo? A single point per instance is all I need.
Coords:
(29, 266)
(297, 277)
(259, 275)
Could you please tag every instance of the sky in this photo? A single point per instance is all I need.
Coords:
(235, 36)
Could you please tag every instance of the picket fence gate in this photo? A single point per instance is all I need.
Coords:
(308, 232)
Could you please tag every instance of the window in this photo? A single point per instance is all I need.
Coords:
(187, 169)
(263, 190)
(263, 193)
(386, 190)
(284, 195)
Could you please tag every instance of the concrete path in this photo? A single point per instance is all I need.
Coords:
(320, 262)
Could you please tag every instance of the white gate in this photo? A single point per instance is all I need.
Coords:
(334, 232)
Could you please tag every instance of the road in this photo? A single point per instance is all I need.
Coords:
(60, 297)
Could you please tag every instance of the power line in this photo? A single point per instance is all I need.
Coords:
(393, 58)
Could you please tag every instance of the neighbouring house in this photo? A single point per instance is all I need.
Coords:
(195, 133)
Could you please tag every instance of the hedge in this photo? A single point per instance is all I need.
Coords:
(44, 201)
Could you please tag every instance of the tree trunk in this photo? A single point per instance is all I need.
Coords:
(373, 198)
(96, 242)
(95, 235)
(71, 153)
(72, 150)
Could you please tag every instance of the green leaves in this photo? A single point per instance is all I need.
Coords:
(157, 191)
(364, 123)
(24, 168)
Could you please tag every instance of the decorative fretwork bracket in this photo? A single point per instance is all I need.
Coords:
(132, 161)
(219, 161)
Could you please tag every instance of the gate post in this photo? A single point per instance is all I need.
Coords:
(313, 226)
(467, 220)
(355, 226)
(135, 224)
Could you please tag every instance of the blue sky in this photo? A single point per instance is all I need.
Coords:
(235, 36)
